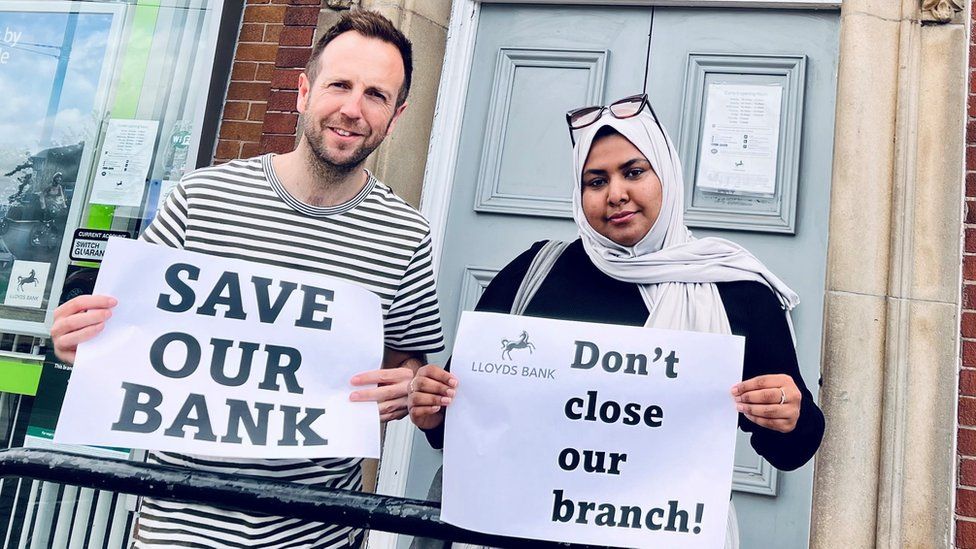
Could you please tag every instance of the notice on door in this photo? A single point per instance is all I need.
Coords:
(740, 139)
(610, 435)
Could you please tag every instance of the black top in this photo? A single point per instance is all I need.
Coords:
(576, 290)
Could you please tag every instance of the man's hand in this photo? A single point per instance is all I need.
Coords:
(392, 380)
(77, 321)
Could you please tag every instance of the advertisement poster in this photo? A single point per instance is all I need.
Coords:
(52, 74)
(90, 244)
(610, 435)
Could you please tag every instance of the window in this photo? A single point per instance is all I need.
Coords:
(104, 106)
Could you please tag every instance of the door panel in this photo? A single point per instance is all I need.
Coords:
(800, 259)
(528, 85)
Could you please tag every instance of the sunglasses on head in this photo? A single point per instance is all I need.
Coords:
(628, 107)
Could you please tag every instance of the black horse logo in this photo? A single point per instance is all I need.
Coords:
(29, 279)
(521, 343)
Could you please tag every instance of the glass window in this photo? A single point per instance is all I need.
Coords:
(103, 107)
(104, 102)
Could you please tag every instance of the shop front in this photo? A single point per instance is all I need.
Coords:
(104, 109)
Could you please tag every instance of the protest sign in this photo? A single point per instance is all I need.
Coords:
(222, 357)
(609, 435)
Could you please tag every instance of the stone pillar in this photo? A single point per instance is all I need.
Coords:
(885, 472)
(401, 160)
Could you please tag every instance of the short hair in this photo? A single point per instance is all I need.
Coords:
(371, 25)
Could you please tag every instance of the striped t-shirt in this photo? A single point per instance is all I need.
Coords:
(241, 210)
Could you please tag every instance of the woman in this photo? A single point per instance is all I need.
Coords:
(635, 263)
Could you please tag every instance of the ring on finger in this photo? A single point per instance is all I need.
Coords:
(410, 386)
(782, 396)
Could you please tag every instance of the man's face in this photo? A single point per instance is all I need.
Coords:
(351, 105)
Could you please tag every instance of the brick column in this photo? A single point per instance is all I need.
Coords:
(966, 442)
(274, 44)
(294, 49)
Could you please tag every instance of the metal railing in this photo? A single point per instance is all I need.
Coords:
(46, 515)
(249, 494)
(35, 514)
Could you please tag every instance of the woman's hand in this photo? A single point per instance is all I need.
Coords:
(431, 389)
(771, 401)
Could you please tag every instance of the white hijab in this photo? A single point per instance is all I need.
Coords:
(676, 271)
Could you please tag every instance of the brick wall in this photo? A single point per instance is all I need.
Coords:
(275, 43)
(966, 486)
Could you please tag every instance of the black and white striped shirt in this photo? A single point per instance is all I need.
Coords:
(241, 210)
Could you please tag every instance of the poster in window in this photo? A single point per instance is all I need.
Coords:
(54, 64)
(124, 163)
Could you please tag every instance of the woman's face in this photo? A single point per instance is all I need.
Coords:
(621, 193)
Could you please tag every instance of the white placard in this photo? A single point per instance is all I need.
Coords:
(552, 416)
(740, 139)
(127, 152)
(202, 349)
(28, 280)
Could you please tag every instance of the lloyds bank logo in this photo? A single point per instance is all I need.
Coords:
(521, 343)
(505, 369)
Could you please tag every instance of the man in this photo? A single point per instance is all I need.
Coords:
(315, 209)
(53, 202)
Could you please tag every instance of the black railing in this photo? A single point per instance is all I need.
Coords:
(249, 494)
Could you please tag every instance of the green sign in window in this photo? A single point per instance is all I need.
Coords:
(20, 375)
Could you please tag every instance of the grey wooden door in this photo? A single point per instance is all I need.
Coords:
(513, 180)
(774, 508)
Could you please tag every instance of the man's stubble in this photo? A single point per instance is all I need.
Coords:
(324, 162)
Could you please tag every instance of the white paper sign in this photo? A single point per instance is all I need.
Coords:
(740, 139)
(591, 433)
(120, 176)
(28, 280)
(224, 357)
